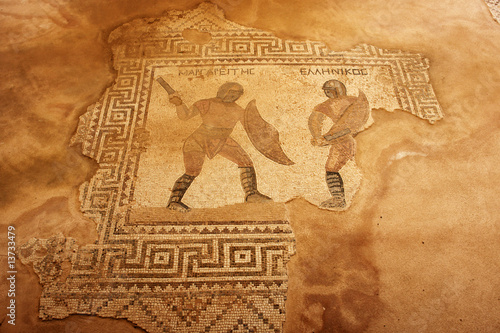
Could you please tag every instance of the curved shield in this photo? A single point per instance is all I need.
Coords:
(264, 136)
(352, 120)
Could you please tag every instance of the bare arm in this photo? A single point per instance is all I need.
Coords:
(183, 112)
(315, 123)
(341, 126)
(316, 120)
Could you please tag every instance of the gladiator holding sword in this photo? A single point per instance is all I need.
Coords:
(349, 115)
(213, 137)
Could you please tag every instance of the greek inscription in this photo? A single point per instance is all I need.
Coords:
(332, 71)
(194, 72)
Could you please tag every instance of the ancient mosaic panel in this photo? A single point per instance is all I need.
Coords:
(494, 6)
(202, 108)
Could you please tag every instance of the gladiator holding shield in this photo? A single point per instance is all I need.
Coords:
(219, 117)
(349, 115)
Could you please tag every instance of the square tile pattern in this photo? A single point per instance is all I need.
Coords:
(214, 270)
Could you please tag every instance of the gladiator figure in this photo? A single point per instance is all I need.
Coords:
(213, 137)
(349, 115)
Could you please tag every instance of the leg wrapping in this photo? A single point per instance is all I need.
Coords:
(335, 186)
(180, 188)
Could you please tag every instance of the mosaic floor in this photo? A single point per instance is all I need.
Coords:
(494, 6)
(221, 266)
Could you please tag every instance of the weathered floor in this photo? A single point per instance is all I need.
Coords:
(422, 235)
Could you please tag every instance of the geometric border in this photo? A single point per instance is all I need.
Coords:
(494, 7)
(113, 130)
(208, 277)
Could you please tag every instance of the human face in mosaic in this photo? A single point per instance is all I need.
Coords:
(232, 95)
(229, 92)
(332, 93)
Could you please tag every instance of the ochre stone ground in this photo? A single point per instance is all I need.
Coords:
(422, 234)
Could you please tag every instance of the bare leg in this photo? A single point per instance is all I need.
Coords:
(340, 153)
(193, 163)
(233, 152)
